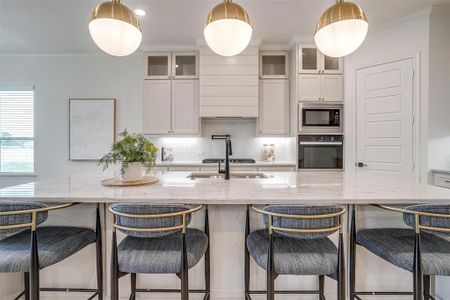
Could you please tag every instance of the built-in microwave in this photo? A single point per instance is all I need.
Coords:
(320, 118)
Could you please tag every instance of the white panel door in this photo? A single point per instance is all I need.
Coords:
(332, 88)
(157, 106)
(274, 106)
(185, 106)
(385, 118)
(309, 88)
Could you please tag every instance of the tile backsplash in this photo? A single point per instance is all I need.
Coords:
(243, 136)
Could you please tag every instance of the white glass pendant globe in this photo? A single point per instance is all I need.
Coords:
(115, 37)
(341, 38)
(228, 37)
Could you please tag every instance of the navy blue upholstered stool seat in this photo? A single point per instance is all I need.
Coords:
(157, 241)
(294, 256)
(161, 254)
(296, 242)
(54, 245)
(397, 247)
(422, 250)
(28, 248)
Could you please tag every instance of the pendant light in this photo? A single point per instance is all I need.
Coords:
(341, 29)
(228, 31)
(115, 29)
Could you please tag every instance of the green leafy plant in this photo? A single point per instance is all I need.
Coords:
(131, 148)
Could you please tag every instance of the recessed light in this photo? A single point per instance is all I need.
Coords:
(140, 12)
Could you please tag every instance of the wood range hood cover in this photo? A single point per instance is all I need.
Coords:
(229, 85)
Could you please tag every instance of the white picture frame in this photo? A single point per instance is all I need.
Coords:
(92, 128)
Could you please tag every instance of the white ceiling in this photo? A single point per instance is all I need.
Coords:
(61, 26)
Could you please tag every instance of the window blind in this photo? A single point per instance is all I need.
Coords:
(16, 130)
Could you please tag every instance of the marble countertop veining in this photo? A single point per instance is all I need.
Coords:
(280, 187)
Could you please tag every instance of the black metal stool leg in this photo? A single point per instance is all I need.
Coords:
(352, 255)
(321, 287)
(26, 285)
(184, 270)
(270, 271)
(341, 269)
(247, 255)
(133, 286)
(427, 287)
(207, 258)
(417, 268)
(99, 255)
(34, 270)
(114, 269)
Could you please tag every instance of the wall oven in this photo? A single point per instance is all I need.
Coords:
(320, 118)
(320, 152)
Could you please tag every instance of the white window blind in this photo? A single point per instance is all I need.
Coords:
(16, 130)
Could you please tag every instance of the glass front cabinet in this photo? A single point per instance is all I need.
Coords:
(171, 65)
(312, 61)
(274, 64)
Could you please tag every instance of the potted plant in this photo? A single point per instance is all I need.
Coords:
(134, 152)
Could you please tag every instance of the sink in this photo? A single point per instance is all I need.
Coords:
(240, 175)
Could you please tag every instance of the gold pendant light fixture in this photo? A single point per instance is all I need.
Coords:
(341, 29)
(228, 31)
(115, 29)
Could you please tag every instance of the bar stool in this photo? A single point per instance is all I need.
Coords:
(30, 250)
(296, 242)
(158, 242)
(419, 250)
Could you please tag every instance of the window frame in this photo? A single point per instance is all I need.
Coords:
(19, 88)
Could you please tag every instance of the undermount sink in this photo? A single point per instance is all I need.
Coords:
(247, 175)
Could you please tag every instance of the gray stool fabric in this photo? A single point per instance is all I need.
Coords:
(397, 247)
(294, 256)
(410, 219)
(149, 209)
(296, 223)
(54, 245)
(161, 254)
(22, 218)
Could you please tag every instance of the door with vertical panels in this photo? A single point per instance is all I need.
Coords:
(384, 101)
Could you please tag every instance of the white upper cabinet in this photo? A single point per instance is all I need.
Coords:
(185, 106)
(171, 65)
(157, 106)
(273, 116)
(321, 88)
(312, 61)
(273, 64)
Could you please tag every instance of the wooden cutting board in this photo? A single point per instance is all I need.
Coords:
(117, 181)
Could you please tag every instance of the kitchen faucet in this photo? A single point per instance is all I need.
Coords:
(228, 152)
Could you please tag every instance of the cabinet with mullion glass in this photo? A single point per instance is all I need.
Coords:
(312, 61)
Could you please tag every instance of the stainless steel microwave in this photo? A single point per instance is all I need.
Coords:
(320, 118)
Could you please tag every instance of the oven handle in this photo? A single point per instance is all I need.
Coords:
(321, 143)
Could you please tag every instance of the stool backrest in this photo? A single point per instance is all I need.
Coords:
(429, 221)
(307, 223)
(10, 219)
(147, 223)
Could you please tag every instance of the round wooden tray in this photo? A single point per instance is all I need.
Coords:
(116, 181)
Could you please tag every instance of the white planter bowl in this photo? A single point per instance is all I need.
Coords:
(134, 172)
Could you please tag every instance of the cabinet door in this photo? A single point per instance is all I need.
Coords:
(274, 106)
(185, 106)
(158, 65)
(309, 88)
(274, 64)
(331, 65)
(157, 105)
(184, 65)
(332, 88)
(309, 60)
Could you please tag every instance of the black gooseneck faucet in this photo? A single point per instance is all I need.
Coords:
(228, 151)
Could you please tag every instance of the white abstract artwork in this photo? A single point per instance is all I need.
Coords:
(92, 128)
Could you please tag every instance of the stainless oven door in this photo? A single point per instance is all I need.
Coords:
(320, 155)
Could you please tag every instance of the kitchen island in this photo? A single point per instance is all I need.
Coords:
(227, 202)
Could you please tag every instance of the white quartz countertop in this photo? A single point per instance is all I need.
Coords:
(200, 164)
(280, 187)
